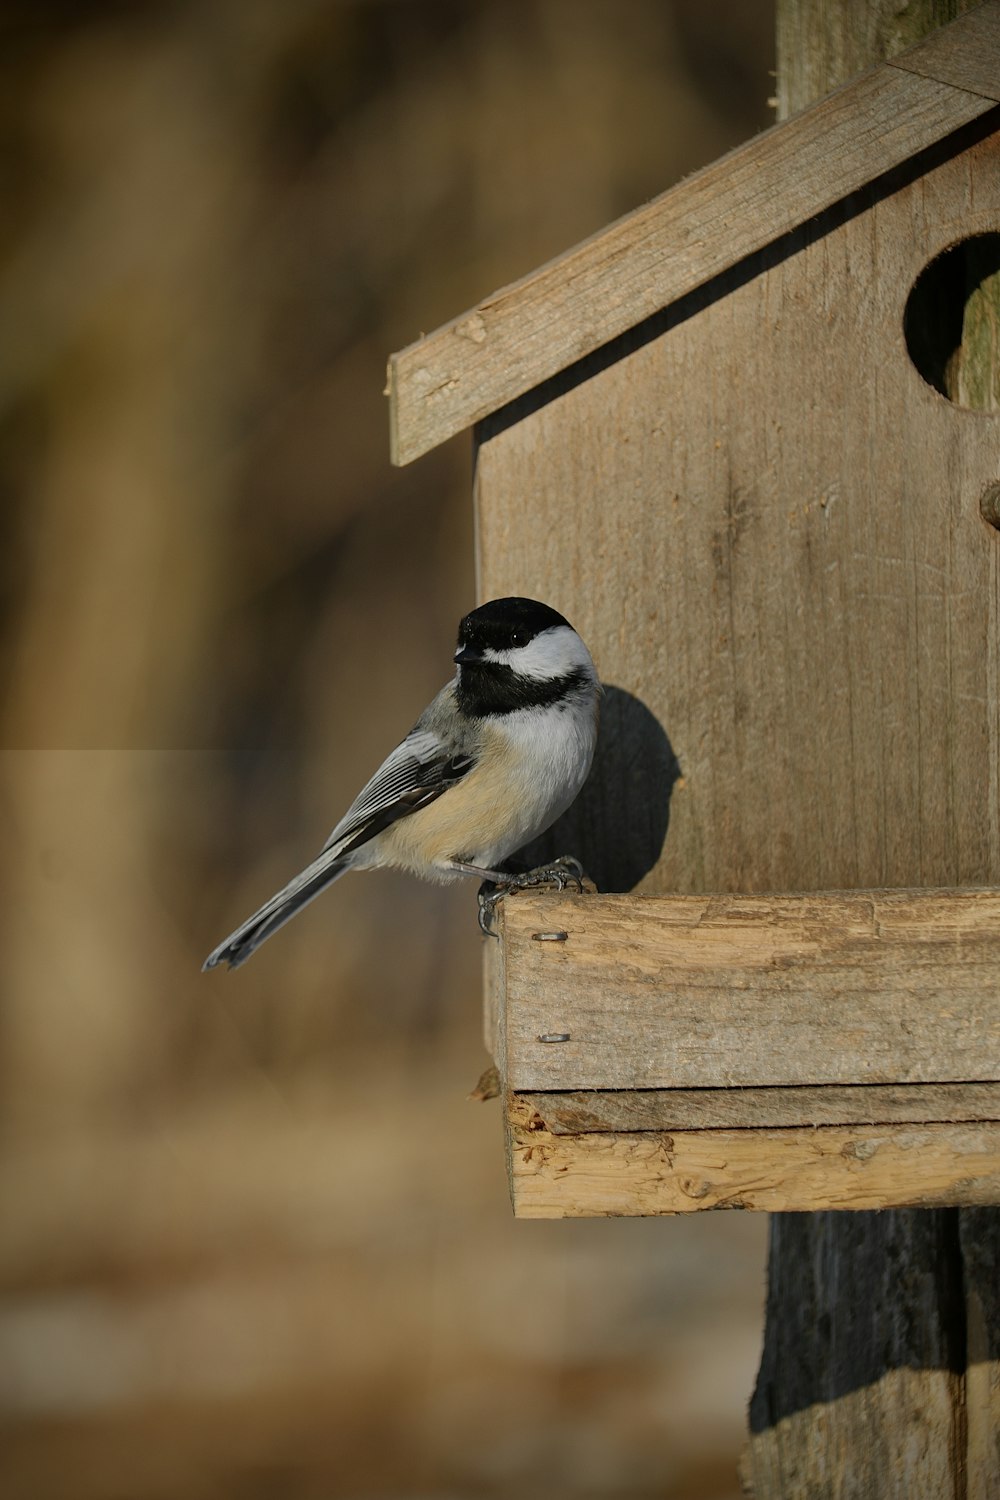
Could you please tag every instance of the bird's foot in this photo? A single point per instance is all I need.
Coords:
(562, 872)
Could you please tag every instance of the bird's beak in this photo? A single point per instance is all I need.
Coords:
(467, 656)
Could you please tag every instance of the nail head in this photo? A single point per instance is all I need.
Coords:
(554, 1036)
(549, 937)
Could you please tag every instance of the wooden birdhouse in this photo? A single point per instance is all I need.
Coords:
(729, 438)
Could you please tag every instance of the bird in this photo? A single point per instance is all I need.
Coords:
(495, 758)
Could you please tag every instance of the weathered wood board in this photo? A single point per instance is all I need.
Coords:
(964, 55)
(670, 1054)
(830, 1167)
(881, 1409)
(979, 1245)
(878, 987)
(577, 1112)
(767, 526)
(527, 332)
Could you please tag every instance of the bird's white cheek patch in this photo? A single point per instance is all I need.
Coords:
(552, 654)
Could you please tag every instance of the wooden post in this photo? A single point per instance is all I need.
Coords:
(880, 1374)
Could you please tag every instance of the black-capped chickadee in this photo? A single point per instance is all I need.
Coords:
(497, 756)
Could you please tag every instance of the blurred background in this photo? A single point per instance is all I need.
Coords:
(254, 1238)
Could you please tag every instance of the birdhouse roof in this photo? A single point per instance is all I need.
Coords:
(535, 328)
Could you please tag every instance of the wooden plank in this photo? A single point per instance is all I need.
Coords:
(830, 1167)
(817, 52)
(979, 1233)
(966, 55)
(492, 998)
(529, 331)
(860, 1391)
(767, 528)
(575, 1113)
(870, 1381)
(743, 991)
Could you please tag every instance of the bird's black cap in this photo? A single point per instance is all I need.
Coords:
(503, 623)
(487, 688)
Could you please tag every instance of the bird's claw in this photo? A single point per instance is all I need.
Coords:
(489, 894)
(562, 872)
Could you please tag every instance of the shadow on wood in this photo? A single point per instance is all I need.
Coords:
(618, 825)
(870, 1332)
(872, 1311)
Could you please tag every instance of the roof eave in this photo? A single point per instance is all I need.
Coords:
(531, 330)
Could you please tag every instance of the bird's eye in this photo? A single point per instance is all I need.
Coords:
(518, 638)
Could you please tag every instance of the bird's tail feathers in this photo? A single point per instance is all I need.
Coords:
(282, 906)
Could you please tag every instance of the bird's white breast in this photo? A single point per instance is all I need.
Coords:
(531, 765)
(549, 755)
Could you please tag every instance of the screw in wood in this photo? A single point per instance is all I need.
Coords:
(549, 937)
(989, 505)
(554, 1036)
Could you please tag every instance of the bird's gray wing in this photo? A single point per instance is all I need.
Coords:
(426, 764)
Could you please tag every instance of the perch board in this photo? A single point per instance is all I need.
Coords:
(801, 1052)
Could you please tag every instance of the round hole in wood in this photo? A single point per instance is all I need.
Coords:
(989, 505)
(952, 323)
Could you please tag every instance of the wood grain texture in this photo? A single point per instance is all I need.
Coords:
(492, 998)
(879, 1370)
(979, 1246)
(974, 380)
(965, 55)
(743, 991)
(821, 47)
(631, 1110)
(861, 1385)
(767, 528)
(531, 330)
(830, 1167)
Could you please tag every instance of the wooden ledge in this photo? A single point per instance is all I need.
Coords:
(632, 1111)
(776, 1051)
(786, 1170)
